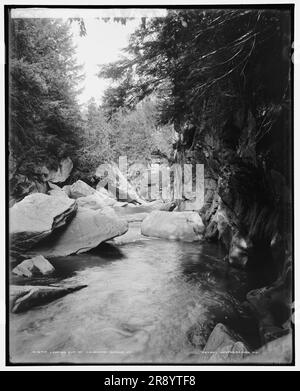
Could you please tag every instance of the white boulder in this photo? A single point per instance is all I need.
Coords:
(185, 226)
(34, 266)
(87, 230)
(36, 217)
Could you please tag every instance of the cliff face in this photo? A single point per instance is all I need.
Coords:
(251, 208)
(241, 129)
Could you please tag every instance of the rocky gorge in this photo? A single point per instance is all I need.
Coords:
(77, 218)
(111, 264)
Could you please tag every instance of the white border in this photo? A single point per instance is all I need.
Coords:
(296, 196)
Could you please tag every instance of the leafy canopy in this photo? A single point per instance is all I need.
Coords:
(43, 81)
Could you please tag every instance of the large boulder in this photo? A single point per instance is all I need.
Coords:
(79, 189)
(86, 230)
(95, 201)
(36, 217)
(23, 298)
(186, 226)
(34, 267)
(113, 179)
(225, 345)
(62, 173)
(136, 217)
(132, 235)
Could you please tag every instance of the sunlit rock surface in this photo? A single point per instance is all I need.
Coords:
(95, 201)
(87, 230)
(23, 298)
(186, 226)
(34, 266)
(79, 189)
(225, 345)
(36, 217)
(62, 173)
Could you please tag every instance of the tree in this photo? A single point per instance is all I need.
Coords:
(95, 146)
(205, 65)
(134, 134)
(43, 78)
(222, 78)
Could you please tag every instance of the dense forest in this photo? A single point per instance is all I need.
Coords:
(46, 122)
(210, 86)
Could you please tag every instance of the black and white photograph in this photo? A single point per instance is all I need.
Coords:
(150, 185)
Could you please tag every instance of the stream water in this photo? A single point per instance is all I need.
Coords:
(151, 301)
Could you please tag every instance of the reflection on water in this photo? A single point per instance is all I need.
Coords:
(149, 301)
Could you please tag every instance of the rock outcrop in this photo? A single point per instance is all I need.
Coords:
(240, 250)
(79, 189)
(95, 201)
(186, 226)
(272, 306)
(24, 297)
(36, 217)
(34, 267)
(62, 173)
(223, 345)
(87, 230)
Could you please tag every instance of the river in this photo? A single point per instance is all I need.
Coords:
(151, 301)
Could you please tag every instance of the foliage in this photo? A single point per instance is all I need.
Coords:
(46, 123)
(134, 134)
(222, 78)
(205, 65)
(43, 79)
(95, 145)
